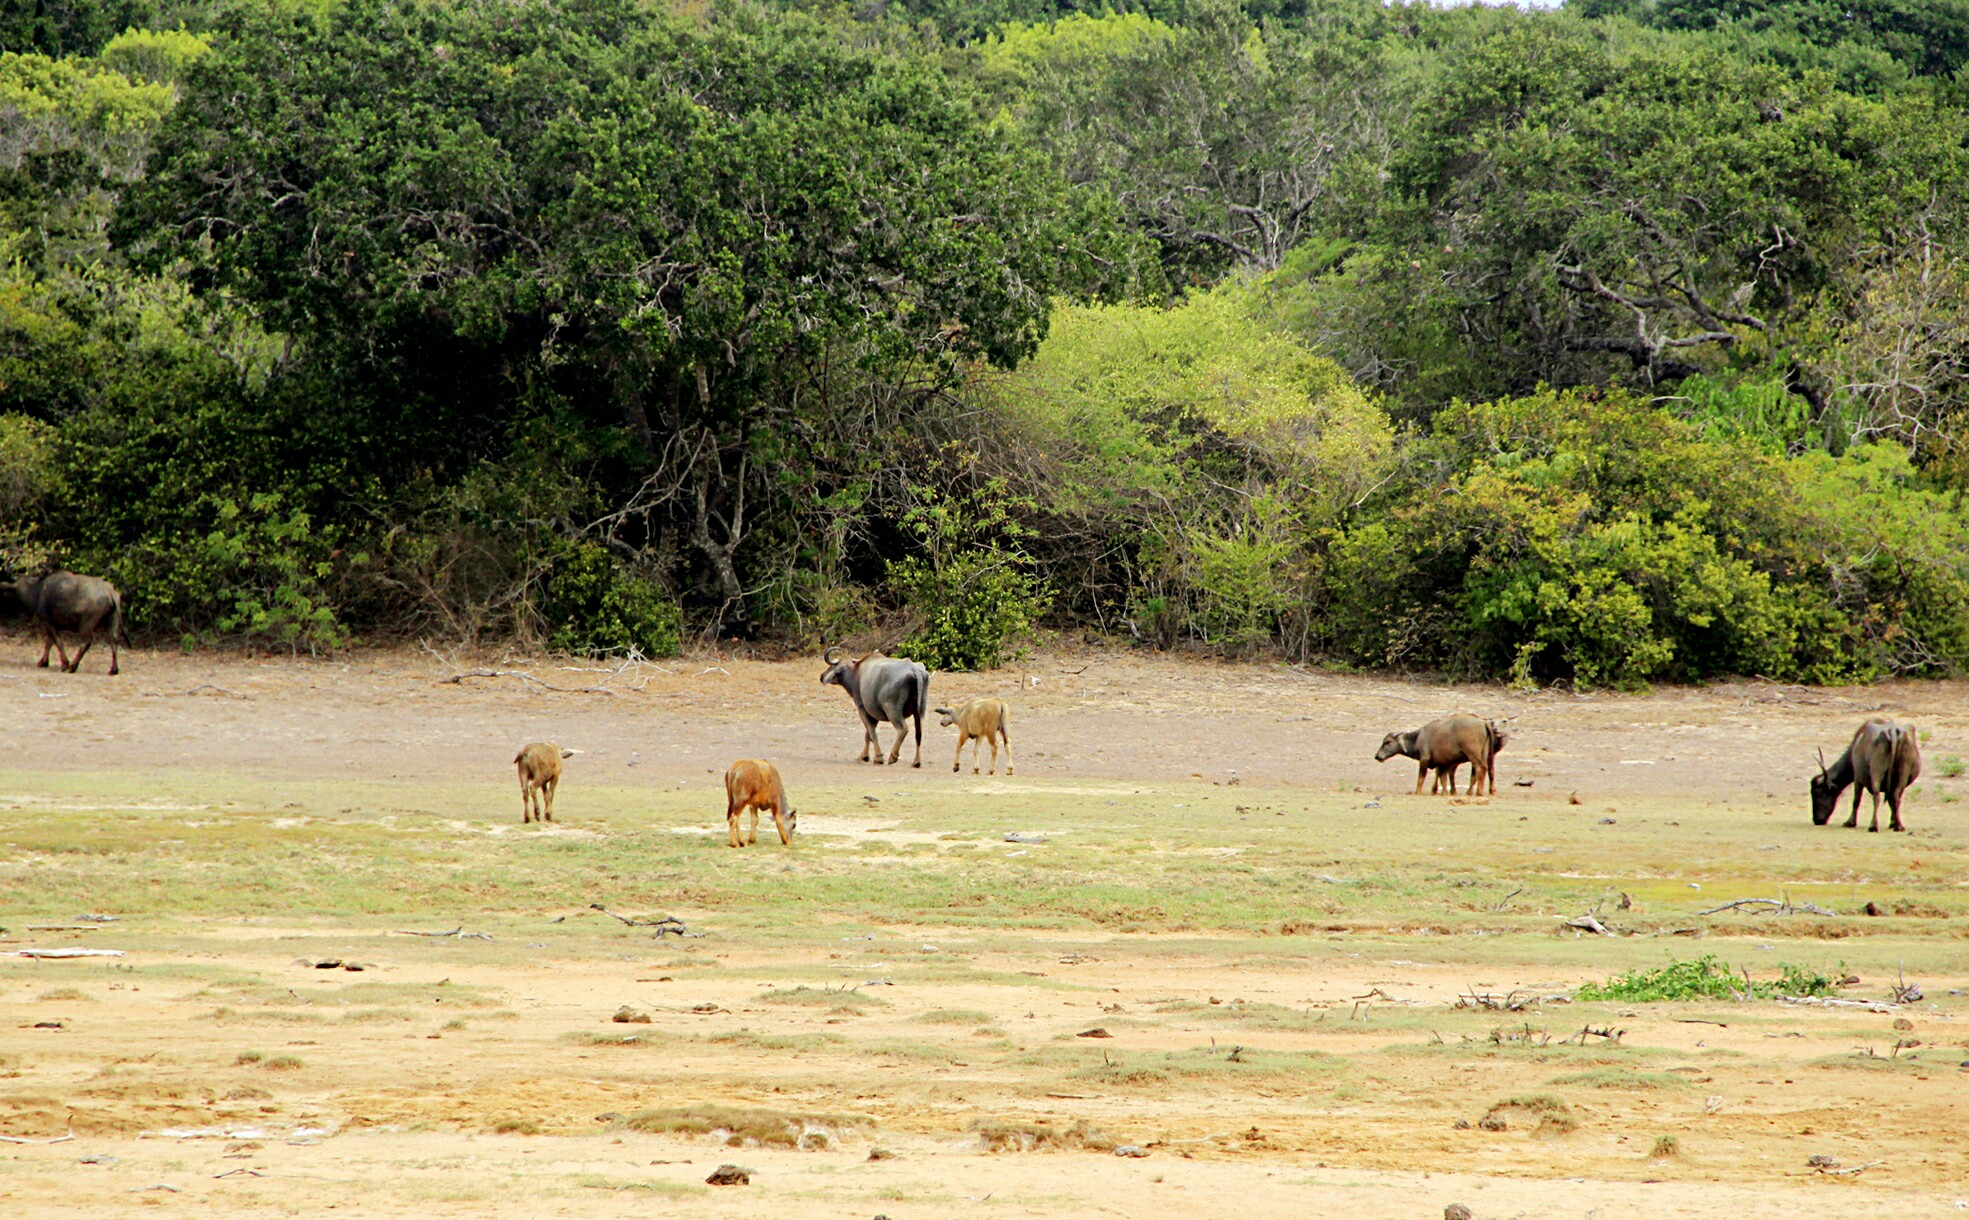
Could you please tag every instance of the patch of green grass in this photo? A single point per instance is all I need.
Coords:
(1222, 1065)
(641, 1186)
(66, 993)
(774, 1042)
(1705, 978)
(248, 1058)
(516, 1126)
(745, 1127)
(952, 1016)
(587, 1038)
(1949, 766)
(831, 997)
(1666, 1147)
(1621, 1078)
(1251, 1016)
(283, 1063)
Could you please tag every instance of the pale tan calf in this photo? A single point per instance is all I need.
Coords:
(539, 766)
(979, 720)
(752, 784)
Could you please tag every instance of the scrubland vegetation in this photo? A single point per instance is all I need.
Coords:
(1617, 343)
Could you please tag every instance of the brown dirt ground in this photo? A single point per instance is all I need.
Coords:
(366, 1126)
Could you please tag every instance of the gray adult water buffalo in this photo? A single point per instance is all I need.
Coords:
(84, 605)
(884, 689)
(1883, 758)
(1446, 744)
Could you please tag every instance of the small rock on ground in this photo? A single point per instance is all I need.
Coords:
(729, 1175)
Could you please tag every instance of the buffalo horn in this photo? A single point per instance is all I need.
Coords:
(1822, 766)
(828, 656)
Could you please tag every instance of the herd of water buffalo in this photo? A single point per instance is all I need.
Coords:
(1883, 758)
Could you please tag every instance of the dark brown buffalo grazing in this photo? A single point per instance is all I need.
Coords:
(978, 721)
(884, 689)
(751, 785)
(539, 766)
(1883, 758)
(1444, 745)
(84, 605)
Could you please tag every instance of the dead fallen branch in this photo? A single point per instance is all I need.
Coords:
(202, 687)
(459, 933)
(1819, 1001)
(666, 925)
(64, 927)
(1588, 923)
(522, 675)
(1850, 1169)
(1778, 906)
(21, 1139)
(60, 953)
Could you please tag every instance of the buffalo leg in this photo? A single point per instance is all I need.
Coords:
(75, 666)
(526, 802)
(113, 667)
(752, 825)
(1421, 774)
(1894, 804)
(47, 646)
(919, 741)
(1008, 751)
(547, 789)
(1875, 828)
(957, 763)
(1855, 819)
(731, 823)
(993, 739)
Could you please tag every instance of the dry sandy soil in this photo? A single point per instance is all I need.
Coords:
(213, 1066)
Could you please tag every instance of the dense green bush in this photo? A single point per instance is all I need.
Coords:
(972, 609)
(595, 606)
(1598, 539)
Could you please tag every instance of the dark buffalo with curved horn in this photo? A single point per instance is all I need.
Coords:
(884, 689)
(88, 606)
(1883, 758)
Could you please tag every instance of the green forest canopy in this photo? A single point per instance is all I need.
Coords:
(1622, 342)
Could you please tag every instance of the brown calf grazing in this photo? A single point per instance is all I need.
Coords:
(1444, 745)
(1883, 758)
(84, 605)
(752, 784)
(978, 720)
(539, 766)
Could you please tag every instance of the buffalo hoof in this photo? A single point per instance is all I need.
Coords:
(113, 671)
(43, 664)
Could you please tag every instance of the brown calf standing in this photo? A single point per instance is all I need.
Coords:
(752, 784)
(978, 720)
(1444, 745)
(540, 773)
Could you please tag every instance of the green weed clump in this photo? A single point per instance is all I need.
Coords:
(746, 1127)
(1705, 978)
(999, 1136)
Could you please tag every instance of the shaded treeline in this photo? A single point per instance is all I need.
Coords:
(1624, 342)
